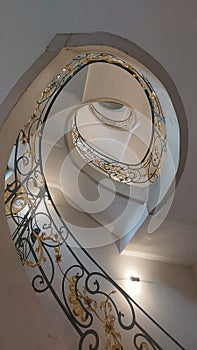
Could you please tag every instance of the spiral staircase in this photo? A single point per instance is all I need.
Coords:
(98, 154)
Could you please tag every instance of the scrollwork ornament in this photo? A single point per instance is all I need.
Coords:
(43, 240)
(145, 172)
(89, 340)
(75, 299)
(143, 341)
(93, 286)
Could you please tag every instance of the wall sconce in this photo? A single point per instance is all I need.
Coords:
(134, 279)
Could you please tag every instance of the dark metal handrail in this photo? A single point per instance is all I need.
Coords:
(86, 294)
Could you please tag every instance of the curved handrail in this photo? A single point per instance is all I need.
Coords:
(40, 234)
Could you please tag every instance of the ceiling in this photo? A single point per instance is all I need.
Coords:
(167, 30)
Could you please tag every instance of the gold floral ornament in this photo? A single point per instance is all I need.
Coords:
(76, 298)
(144, 346)
(30, 150)
(40, 238)
(25, 132)
(109, 325)
(58, 256)
(82, 303)
(50, 88)
(26, 135)
(20, 200)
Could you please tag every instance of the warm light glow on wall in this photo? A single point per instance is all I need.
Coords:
(133, 286)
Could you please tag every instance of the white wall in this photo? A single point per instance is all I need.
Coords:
(167, 292)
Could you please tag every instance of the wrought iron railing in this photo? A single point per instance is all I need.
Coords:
(102, 313)
(129, 174)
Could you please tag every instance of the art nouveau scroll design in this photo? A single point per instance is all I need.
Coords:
(145, 172)
(123, 124)
(103, 315)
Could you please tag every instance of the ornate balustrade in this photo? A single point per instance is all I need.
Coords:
(102, 313)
